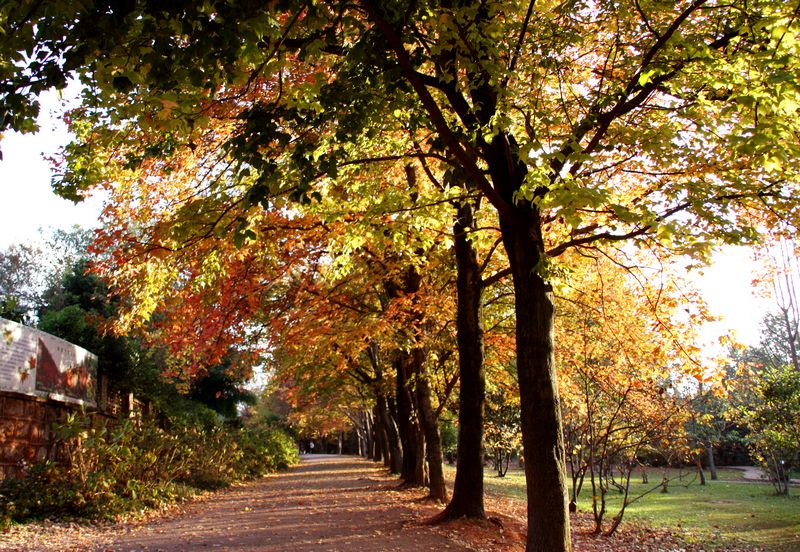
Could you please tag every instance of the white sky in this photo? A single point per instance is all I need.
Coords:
(726, 285)
(27, 203)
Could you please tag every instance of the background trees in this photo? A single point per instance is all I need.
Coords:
(503, 437)
(17, 299)
(774, 422)
(767, 391)
(31, 274)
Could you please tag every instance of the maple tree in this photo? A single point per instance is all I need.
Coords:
(30, 275)
(17, 269)
(581, 124)
(627, 346)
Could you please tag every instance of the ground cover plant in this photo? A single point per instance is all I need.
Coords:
(113, 468)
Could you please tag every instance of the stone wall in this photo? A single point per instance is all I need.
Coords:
(26, 425)
(26, 430)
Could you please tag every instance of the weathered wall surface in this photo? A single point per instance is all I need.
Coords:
(26, 430)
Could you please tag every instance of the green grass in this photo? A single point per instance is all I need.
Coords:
(727, 511)
(721, 511)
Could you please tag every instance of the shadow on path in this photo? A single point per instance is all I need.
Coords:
(327, 503)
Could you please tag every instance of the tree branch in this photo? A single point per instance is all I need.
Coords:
(513, 64)
(465, 157)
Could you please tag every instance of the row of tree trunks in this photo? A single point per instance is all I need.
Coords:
(380, 449)
(407, 436)
(407, 424)
(385, 424)
(362, 425)
(407, 429)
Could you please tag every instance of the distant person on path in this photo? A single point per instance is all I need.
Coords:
(311, 447)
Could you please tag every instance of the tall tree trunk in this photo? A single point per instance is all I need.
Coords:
(467, 498)
(534, 309)
(421, 466)
(542, 437)
(413, 472)
(369, 434)
(386, 445)
(393, 444)
(548, 520)
(430, 426)
(380, 450)
(376, 452)
(712, 465)
(374, 441)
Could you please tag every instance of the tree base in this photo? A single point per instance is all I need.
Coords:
(450, 514)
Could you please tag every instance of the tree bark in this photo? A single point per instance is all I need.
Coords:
(700, 472)
(542, 434)
(393, 450)
(430, 426)
(467, 498)
(413, 469)
(369, 435)
(379, 453)
(712, 466)
(386, 443)
(542, 438)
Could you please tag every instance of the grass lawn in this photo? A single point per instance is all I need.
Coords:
(729, 510)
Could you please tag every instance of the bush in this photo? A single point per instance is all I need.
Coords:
(265, 450)
(449, 436)
(128, 465)
(774, 422)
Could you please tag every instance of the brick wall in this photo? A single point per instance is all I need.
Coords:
(25, 430)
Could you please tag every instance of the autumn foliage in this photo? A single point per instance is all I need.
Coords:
(350, 192)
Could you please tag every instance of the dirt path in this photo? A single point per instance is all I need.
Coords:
(753, 473)
(328, 503)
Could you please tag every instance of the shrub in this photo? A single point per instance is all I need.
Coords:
(774, 422)
(271, 448)
(130, 464)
